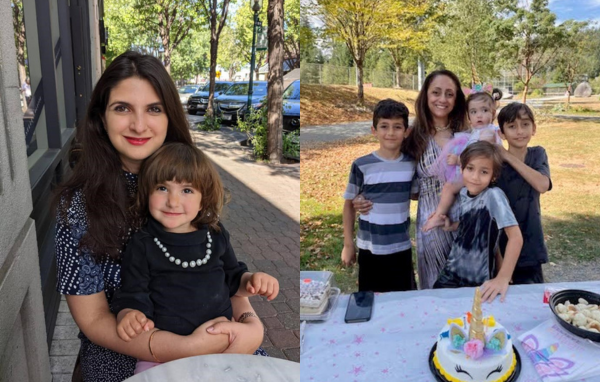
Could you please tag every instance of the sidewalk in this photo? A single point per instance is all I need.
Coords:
(263, 218)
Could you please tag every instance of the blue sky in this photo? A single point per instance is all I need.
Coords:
(576, 9)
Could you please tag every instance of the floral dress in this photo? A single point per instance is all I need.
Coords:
(79, 274)
(433, 247)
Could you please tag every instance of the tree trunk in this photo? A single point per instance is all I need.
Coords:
(167, 60)
(398, 73)
(359, 83)
(214, 45)
(525, 90)
(275, 87)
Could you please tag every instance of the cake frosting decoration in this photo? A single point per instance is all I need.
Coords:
(474, 348)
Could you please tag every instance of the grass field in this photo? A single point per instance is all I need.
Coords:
(571, 211)
(337, 104)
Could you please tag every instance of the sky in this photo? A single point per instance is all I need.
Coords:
(576, 9)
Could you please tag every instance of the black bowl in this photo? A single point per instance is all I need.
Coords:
(573, 295)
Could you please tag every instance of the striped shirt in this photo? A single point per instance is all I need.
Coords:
(388, 184)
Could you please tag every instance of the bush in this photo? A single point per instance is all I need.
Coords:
(291, 144)
(211, 123)
(255, 128)
(537, 93)
(595, 84)
(518, 87)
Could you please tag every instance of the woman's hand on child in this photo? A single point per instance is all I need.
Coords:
(491, 288)
(362, 205)
(433, 221)
(448, 225)
(131, 322)
(244, 338)
(204, 341)
(263, 284)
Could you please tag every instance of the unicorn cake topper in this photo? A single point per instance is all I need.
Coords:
(473, 339)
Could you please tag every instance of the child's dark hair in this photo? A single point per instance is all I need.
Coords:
(482, 149)
(481, 96)
(390, 109)
(512, 111)
(181, 162)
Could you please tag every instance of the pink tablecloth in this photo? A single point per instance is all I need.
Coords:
(395, 344)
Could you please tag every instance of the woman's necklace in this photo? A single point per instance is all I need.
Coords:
(442, 128)
(192, 263)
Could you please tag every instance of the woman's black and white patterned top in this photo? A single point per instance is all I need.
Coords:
(79, 274)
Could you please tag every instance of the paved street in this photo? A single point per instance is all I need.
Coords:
(263, 218)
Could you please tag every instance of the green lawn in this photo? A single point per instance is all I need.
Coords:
(571, 211)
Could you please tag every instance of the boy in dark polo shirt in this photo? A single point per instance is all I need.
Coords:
(525, 175)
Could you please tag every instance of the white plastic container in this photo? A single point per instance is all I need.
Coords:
(327, 278)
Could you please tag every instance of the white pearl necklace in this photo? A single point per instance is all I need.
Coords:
(185, 264)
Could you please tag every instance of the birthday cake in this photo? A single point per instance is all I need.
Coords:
(474, 348)
(314, 295)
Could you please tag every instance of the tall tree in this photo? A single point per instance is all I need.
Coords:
(360, 24)
(275, 88)
(190, 59)
(291, 44)
(307, 41)
(229, 56)
(572, 56)
(216, 13)
(532, 41)
(170, 20)
(466, 42)
(244, 26)
(415, 25)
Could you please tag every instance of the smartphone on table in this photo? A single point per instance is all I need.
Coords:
(360, 307)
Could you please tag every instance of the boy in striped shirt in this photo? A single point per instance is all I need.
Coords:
(387, 178)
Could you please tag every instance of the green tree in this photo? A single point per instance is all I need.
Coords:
(216, 13)
(291, 44)
(243, 27)
(466, 42)
(360, 24)
(170, 20)
(571, 58)
(532, 41)
(228, 52)
(307, 41)
(190, 59)
(416, 22)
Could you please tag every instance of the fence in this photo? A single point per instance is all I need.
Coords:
(324, 74)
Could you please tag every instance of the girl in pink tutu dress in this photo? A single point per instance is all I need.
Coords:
(481, 111)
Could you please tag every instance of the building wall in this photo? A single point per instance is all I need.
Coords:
(23, 348)
(62, 43)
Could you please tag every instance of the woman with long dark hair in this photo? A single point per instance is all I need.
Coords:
(440, 113)
(134, 110)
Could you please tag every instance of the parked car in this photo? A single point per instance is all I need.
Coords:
(185, 92)
(199, 101)
(291, 107)
(232, 104)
